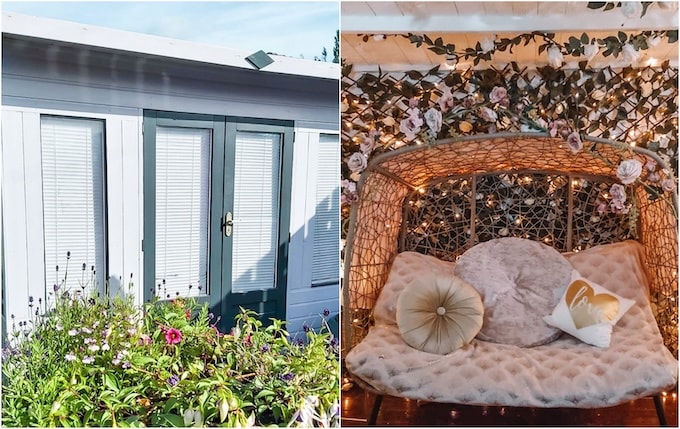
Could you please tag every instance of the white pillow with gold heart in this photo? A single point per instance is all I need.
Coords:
(588, 311)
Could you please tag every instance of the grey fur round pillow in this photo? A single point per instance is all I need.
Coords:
(520, 281)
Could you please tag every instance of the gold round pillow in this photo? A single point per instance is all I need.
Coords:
(439, 314)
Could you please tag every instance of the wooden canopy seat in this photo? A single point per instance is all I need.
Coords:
(421, 207)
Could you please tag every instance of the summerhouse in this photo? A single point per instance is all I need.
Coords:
(156, 167)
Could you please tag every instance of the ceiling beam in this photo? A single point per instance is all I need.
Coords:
(588, 20)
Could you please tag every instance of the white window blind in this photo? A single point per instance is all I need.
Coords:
(326, 259)
(73, 202)
(182, 207)
(256, 208)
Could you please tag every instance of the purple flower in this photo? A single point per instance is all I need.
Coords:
(288, 376)
(305, 327)
(173, 380)
(618, 192)
(326, 312)
(265, 348)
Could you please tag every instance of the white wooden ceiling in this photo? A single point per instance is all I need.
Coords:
(465, 23)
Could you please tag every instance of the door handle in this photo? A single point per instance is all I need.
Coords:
(228, 224)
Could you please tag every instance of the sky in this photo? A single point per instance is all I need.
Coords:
(295, 29)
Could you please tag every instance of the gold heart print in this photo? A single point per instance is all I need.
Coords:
(587, 308)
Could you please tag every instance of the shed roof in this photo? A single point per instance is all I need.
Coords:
(135, 43)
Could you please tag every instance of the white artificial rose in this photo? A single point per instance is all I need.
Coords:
(555, 57)
(653, 41)
(411, 124)
(357, 162)
(433, 118)
(629, 170)
(488, 44)
(590, 51)
(631, 9)
(630, 55)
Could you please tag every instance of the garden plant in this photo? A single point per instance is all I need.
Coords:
(102, 361)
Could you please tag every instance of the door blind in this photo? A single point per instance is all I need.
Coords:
(256, 208)
(73, 202)
(182, 209)
(326, 255)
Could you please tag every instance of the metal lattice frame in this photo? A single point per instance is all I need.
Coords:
(443, 198)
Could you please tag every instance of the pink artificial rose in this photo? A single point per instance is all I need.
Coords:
(357, 162)
(499, 95)
(446, 100)
(574, 142)
(668, 185)
(488, 114)
(411, 124)
(618, 192)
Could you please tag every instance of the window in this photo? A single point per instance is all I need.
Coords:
(182, 206)
(326, 257)
(73, 202)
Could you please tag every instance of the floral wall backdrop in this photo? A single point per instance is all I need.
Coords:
(635, 104)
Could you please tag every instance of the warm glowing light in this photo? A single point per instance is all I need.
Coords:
(652, 62)
(421, 190)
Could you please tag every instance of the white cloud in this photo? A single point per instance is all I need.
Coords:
(287, 28)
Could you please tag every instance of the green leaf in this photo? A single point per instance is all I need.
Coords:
(264, 393)
(584, 39)
(111, 382)
(645, 5)
(169, 419)
(439, 41)
(596, 4)
(672, 36)
(623, 37)
(609, 6)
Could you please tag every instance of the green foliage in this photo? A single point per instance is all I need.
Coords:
(105, 362)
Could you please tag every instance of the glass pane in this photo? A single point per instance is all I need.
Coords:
(256, 208)
(182, 207)
(73, 202)
(326, 256)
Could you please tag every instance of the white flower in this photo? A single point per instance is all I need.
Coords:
(646, 89)
(488, 44)
(630, 55)
(663, 142)
(590, 50)
(106, 347)
(555, 57)
(357, 162)
(653, 41)
(631, 9)
(93, 348)
(433, 118)
(70, 357)
(488, 114)
(629, 170)
(59, 327)
(86, 330)
(88, 359)
(73, 332)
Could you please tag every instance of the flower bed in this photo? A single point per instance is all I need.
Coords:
(105, 362)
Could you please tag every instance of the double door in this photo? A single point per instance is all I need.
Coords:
(216, 212)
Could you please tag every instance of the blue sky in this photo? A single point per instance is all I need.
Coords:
(287, 28)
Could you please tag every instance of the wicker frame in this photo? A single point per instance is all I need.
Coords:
(377, 230)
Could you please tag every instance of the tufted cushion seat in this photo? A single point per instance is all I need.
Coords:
(564, 373)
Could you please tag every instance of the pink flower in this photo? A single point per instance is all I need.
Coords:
(145, 340)
(357, 162)
(413, 102)
(173, 336)
(560, 127)
(574, 142)
(446, 100)
(499, 95)
(411, 124)
(488, 114)
(668, 185)
(618, 193)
